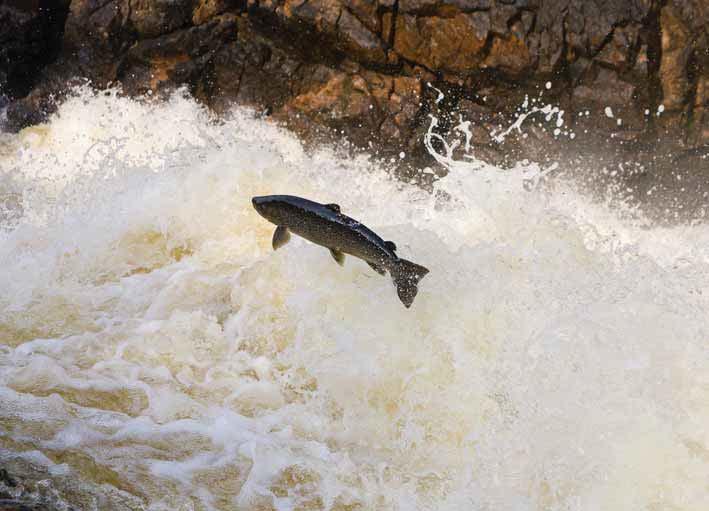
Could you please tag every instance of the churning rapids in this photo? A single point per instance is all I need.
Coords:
(155, 353)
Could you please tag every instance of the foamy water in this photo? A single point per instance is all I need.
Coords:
(155, 353)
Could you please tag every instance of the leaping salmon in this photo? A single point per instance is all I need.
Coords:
(325, 225)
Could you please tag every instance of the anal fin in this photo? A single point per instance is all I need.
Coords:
(280, 237)
(379, 269)
(338, 256)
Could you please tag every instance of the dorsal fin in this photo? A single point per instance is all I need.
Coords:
(390, 245)
(333, 207)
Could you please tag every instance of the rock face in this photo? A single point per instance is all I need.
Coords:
(374, 68)
(30, 37)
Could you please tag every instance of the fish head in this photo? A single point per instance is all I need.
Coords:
(272, 207)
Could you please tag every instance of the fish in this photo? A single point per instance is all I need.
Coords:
(327, 226)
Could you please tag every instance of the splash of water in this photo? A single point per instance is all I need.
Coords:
(155, 349)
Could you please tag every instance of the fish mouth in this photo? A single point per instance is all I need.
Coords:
(266, 206)
(259, 202)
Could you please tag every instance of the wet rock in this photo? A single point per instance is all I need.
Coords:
(30, 35)
(362, 67)
(603, 87)
(152, 18)
(452, 45)
(97, 33)
(684, 71)
(675, 55)
(618, 52)
(361, 42)
(182, 56)
(367, 12)
(23, 113)
(509, 55)
(207, 9)
(443, 6)
(699, 129)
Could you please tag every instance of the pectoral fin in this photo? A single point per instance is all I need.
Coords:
(390, 245)
(338, 256)
(280, 237)
(379, 269)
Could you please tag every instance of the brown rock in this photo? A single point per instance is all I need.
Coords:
(500, 17)
(342, 97)
(320, 14)
(152, 18)
(548, 49)
(699, 128)
(359, 40)
(448, 44)
(605, 89)
(178, 57)
(359, 65)
(442, 6)
(388, 27)
(510, 55)
(366, 12)
(207, 9)
(30, 34)
(642, 61)
(240, 71)
(619, 50)
(95, 36)
(675, 56)
(402, 106)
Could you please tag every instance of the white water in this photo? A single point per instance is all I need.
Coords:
(156, 350)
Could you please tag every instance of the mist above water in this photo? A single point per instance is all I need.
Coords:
(156, 353)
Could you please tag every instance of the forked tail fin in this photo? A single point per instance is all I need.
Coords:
(406, 277)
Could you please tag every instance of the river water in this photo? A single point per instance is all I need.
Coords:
(155, 353)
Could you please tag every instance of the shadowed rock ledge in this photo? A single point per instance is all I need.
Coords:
(374, 68)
